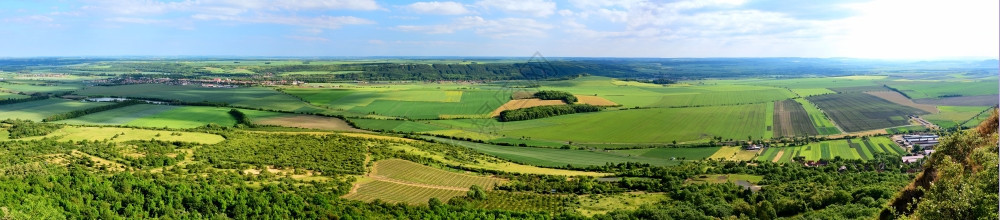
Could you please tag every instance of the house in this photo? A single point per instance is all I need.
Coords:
(752, 147)
(911, 159)
(928, 152)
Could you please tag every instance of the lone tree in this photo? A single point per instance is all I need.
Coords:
(476, 193)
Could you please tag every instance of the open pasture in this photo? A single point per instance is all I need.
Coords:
(861, 112)
(923, 90)
(675, 153)
(186, 117)
(791, 119)
(950, 116)
(4, 96)
(119, 116)
(806, 92)
(411, 172)
(845, 149)
(659, 125)
(29, 88)
(395, 125)
(37, 110)
(979, 100)
(472, 104)
(305, 121)
(250, 97)
(548, 157)
(725, 97)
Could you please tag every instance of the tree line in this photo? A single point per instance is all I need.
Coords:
(545, 111)
(82, 112)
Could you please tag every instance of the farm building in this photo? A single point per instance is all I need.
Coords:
(922, 140)
(911, 159)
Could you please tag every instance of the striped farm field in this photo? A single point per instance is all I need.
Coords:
(399, 193)
(823, 124)
(861, 112)
(863, 149)
(417, 173)
(791, 119)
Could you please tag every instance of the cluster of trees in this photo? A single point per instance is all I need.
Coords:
(27, 128)
(241, 118)
(566, 97)
(328, 154)
(545, 111)
(82, 112)
(32, 98)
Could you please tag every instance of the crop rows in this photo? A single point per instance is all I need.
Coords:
(861, 112)
(791, 119)
(394, 192)
(864, 149)
(820, 121)
(417, 173)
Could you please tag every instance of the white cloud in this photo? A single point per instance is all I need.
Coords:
(29, 19)
(441, 8)
(537, 8)
(501, 28)
(135, 20)
(920, 28)
(325, 22)
(307, 38)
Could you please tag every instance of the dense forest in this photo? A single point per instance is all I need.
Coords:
(566, 97)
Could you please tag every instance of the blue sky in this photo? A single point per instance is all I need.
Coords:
(911, 29)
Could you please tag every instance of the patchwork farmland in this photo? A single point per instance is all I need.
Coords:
(863, 149)
(861, 112)
(791, 119)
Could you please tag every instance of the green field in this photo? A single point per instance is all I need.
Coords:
(950, 116)
(250, 97)
(659, 125)
(4, 95)
(36, 88)
(806, 92)
(471, 104)
(682, 153)
(548, 157)
(186, 117)
(416, 173)
(845, 149)
(120, 116)
(37, 110)
(861, 112)
(394, 125)
(922, 90)
(823, 124)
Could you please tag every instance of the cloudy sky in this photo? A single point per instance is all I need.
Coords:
(912, 29)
